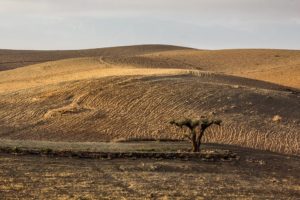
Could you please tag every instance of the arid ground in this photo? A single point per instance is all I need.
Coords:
(256, 175)
(131, 93)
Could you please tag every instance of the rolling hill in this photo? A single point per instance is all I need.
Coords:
(11, 59)
(128, 93)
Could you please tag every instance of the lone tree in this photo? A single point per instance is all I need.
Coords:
(197, 128)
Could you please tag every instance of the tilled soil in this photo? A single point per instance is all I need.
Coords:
(257, 175)
(141, 107)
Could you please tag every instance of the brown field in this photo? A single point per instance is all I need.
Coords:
(131, 93)
(257, 175)
(10, 59)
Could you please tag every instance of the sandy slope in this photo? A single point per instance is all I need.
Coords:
(70, 70)
(277, 66)
(111, 97)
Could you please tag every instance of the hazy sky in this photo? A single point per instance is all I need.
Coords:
(204, 24)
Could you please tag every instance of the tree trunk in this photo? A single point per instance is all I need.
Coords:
(195, 147)
(194, 141)
(198, 142)
(198, 146)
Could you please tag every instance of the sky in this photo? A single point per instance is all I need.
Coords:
(203, 24)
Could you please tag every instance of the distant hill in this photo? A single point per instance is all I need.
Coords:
(10, 59)
(277, 66)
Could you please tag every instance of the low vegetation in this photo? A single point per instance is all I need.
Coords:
(126, 152)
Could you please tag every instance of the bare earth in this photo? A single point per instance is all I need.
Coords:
(257, 175)
(131, 93)
(85, 99)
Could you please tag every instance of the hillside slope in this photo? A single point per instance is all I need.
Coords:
(140, 106)
(105, 98)
(277, 66)
(54, 72)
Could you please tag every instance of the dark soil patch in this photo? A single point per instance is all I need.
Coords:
(208, 155)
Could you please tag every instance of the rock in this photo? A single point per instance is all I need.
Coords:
(276, 118)
(233, 106)
(151, 195)
(261, 162)
(212, 113)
